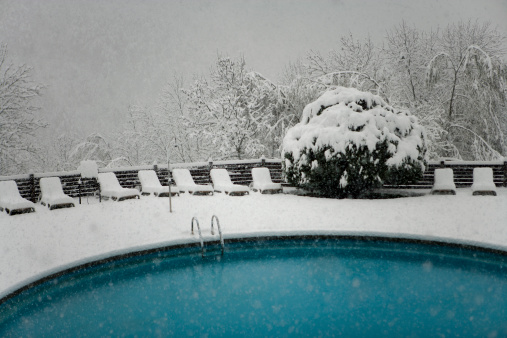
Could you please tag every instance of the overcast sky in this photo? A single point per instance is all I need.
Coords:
(97, 57)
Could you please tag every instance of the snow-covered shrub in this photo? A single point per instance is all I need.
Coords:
(349, 142)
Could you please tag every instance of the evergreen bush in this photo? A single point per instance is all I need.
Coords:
(349, 142)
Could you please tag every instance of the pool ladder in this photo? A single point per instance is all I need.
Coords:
(201, 239)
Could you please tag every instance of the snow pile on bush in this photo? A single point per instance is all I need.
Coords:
(349, 142)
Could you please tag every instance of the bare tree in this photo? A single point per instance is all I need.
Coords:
(130, 143)
(355, 64)
(468, 71)
(452, 80)
(184, 146)
(229, 110)
(54, 153)
(18, 120)
(94, 147)
(150, 134)
(407, 53)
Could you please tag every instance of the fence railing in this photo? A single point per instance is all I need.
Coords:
(240, 172)
(463, 173)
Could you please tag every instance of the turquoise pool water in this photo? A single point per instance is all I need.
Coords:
(314, 287)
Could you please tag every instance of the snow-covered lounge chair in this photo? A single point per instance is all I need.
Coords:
(444, 182)
(111, 188)
(222, 183)
(11, 200)
(150, 184)
(185, 182)
(52, 194)
(262, 181)
(483, 182)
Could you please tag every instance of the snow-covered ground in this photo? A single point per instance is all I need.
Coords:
(37, 244)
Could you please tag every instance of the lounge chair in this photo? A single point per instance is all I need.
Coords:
(185, 182)
(111, 188)
(483, 182)
(222, 183)
(52, 194)
(262, 182)
(11, 200)
(444, 182)
(151, 185)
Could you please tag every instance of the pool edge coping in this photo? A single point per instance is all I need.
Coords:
(133, 251)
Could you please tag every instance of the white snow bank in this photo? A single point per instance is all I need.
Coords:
(36, 244)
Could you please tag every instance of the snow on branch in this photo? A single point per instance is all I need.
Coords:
(431, 69)
(485, 59)
(493, 153)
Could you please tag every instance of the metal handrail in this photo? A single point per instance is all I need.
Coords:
(200, 234)
(214, 217)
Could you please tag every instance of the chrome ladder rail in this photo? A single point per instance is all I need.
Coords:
(214, 217)
(203, 250)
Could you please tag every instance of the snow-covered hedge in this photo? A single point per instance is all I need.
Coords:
(349, 142)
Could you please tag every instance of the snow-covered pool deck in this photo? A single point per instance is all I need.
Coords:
(38, 244)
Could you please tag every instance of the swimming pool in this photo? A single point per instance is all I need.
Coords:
(273, 287)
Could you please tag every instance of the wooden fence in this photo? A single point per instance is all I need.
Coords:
(240, 171)
(76, 186)
(463, 173)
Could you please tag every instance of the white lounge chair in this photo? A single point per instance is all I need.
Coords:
(150, 184)
(222, 183)
(444, 182)
(262, 181)
(111, 188)
(483, 182)
(185, 182)
(52, 194)
(11, 200)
